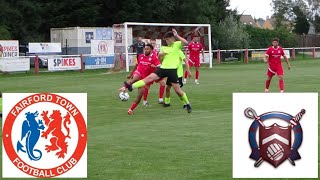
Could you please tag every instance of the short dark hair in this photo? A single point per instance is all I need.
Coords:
(169, 34)
(149, 45)
(275, 39)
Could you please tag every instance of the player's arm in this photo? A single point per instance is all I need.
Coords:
(265, 58)
(183, 40)
(286, 59)
(156, 62)
(266, 55)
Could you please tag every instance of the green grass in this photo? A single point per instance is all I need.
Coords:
(158, 142)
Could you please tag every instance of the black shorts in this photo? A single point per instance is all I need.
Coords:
(171, 74)
(180, 82)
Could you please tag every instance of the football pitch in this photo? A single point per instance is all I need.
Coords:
(164, 142)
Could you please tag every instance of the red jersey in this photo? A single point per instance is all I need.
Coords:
(145, 62)
(275, 55)
(194, 49)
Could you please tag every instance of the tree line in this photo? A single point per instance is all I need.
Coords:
(31, 20)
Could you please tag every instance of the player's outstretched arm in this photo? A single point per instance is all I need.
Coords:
(183, 40)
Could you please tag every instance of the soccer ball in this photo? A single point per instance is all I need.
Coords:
(124, 96)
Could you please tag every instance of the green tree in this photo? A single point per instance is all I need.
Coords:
(301, 22)
(4, 33)
(231, 34)
(317, 23)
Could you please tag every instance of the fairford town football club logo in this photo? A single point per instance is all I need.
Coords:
(44, 135)
(274, 141)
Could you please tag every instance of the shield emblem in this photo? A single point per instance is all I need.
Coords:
(275, 143)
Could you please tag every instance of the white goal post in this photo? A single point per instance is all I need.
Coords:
(126, 24)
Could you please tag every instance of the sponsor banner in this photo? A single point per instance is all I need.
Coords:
(14, 64)
(104, 47)
(257, 55)
(44, 48)
(287, 53)
(63, 64)
(98, 62)
(44, 135)
(9, 48)
(104, 33)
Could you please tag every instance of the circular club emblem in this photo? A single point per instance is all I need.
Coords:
(45, 135)
(102, 47)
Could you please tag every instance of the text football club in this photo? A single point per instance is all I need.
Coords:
(44, 135)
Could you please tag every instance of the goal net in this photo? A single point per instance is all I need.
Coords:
(126, 34)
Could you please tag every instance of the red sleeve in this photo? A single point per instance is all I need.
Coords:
(268, 52)
(156, 61)
(201, 47)
(282, 52)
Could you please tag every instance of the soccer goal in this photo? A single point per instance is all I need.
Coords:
(125, 35)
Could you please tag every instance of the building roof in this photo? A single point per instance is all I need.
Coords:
(248, 20)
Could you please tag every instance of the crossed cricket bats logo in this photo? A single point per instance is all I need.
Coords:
(274, 141)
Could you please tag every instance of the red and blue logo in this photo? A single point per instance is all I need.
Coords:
(44, 135)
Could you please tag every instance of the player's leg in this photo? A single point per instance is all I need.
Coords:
(161, 90)
(145, 96)
(167, 97)
(181, 85)
(182, 95)
(136, 101)
(197, 66)
(186, 72)
(172, 76)
(135, 77)
(150, 78)
(270, 74)
(280, 77)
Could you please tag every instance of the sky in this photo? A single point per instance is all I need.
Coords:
(256, 8)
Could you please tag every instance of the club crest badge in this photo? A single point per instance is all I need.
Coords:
(45, 135)
(274, 142)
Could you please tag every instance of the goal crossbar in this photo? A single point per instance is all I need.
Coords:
(126, 24)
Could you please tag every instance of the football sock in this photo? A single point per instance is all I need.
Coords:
(133, 106)
(184, 98)
(167, 100)
(138, 84)
(281, 84)
(145, 94)
(268, 83)
(161, 91)
(197, 74)
(185, 74)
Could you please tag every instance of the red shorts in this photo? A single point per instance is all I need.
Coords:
(141, 75)
(272, 70)
(194, 61)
